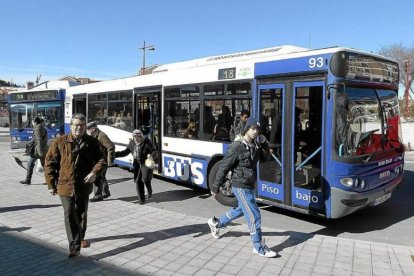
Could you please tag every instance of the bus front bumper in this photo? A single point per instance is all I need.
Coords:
(345, 202)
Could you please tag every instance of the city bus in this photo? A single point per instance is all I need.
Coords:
(329, 117)
(45, 101)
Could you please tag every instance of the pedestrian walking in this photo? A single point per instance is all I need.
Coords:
(38, 149)
(140, 147)
(242, 158)
(71, 166)
(101, 187)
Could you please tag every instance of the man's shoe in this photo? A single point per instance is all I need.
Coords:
(85, 244)
(25, 182)
(96, 198)
(267, 252)
(106, 196)
(73, 254)
(214, 223)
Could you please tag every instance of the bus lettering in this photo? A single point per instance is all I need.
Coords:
(307, 197)
(270, 189)
(181, 169)
(384, 162)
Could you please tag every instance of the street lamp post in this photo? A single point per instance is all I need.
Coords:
(144, 48)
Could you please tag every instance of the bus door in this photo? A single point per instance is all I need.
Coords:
(291, 118)
(79, 104)
(271, 179)
(306, 151)
(147, 115)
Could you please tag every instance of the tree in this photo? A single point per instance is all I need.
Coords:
(402, 54)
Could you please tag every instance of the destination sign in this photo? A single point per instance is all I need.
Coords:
(364, 67)
(35, 95)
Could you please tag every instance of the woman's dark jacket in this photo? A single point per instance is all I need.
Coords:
(40, 140)
(243, 164)
(146, 148)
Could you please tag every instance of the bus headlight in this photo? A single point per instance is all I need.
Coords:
(362, 184)
(18, 138)
(57, 135)
(13, 138)
(52, 136)
(347, 182)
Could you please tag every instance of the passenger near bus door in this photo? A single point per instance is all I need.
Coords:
(72, 164)
(141, 149)
(101, 187)
(37, 149)
(237, 129)
(242, 158)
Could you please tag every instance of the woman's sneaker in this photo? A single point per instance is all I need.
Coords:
(213, 223)
(267, 252)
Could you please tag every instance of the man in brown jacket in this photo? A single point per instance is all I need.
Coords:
(72, 164)
(101, 187)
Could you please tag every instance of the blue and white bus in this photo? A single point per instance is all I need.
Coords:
(331, 116)
(45, 101)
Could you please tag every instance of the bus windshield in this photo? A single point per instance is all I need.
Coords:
(366, 121)
(22, 114)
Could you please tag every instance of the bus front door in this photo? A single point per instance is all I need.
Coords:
(292, 123)
(147, 116)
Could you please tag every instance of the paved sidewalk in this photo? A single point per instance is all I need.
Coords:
(127, 238)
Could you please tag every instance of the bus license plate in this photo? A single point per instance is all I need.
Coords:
(381, 199)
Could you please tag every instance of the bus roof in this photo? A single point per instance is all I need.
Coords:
(51, 85)
(206, 69)
(233, 57)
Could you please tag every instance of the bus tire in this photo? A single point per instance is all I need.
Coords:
(225, 195)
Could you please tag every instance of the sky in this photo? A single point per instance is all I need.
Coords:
(100, 39)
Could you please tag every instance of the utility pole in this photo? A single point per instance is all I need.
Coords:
(144, 48)
(408, 82)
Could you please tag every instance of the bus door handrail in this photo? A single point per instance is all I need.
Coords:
(277, 160)
(310, 157)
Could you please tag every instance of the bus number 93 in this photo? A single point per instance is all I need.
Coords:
(316, 62)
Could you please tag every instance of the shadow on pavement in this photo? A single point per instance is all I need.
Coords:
(198, 230)
(4, 229)
(118, 180)
(25, 207)
(26, 256)
(167, 196)
(151, 237)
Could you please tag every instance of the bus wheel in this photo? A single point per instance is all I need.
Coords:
(225, 195)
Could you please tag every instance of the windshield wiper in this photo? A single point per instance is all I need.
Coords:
(383, 136)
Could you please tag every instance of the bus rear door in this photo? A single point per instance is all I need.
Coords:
(291, 116)
(147, 115)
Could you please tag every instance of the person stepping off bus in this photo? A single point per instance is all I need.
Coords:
(242, 158)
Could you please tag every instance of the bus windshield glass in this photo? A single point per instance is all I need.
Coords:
(366, 121)
(22, 114)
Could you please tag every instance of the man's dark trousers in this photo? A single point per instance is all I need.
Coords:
(75, 210)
